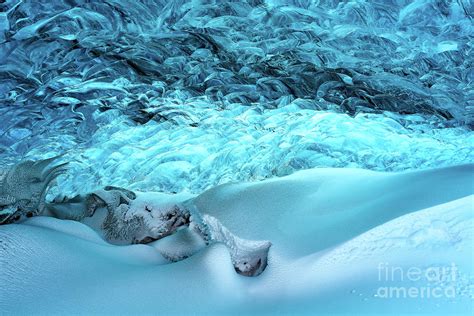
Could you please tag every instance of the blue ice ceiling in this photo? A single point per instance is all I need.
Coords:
(176, 95)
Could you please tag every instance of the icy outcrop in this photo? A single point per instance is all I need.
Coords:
(119, 215)
(23, 188)
(249, 257)
(125, 217)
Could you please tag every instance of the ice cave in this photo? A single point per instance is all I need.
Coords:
(236, 157)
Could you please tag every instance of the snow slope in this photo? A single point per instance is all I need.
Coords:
(328, 236)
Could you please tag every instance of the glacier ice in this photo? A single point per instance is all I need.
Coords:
(199, 93)
(181, 96)
(23, 188)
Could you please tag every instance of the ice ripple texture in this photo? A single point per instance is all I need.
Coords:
(184, 95)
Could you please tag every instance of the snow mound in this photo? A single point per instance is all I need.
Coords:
(62, 267)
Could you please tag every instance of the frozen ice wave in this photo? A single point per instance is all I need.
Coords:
(241, 144)
(186, 95)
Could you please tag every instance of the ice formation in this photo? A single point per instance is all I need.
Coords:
(23, 188)
(257, 110)
(185, 95)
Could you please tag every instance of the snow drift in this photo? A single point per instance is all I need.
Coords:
(328, 245)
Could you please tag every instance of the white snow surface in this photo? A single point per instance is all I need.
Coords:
(331, 230)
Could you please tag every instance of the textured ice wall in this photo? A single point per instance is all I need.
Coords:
(245, 144)
(187, 94)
